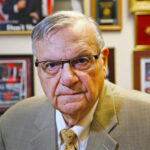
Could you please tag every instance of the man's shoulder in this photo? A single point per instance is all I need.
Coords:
(26, 108)
(129, 95)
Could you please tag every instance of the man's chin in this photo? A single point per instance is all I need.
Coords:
(71, 108)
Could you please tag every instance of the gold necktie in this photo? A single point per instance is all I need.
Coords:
(69, 138)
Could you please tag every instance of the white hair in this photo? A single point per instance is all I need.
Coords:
(60, 19)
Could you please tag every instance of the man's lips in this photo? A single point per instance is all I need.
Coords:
(69, 94)
(73, 98)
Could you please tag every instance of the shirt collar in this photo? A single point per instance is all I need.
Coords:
(81, 129)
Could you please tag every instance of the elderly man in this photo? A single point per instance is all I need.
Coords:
(81, 111)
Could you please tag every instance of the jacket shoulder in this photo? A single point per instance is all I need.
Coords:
(27, 108)
(126, 94)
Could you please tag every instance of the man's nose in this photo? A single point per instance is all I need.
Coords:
(68, 76)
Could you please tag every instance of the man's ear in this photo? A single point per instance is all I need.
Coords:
(104, 55)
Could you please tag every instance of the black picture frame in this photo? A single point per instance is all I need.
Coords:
(16, 79)
(111, 65)
(107, 14)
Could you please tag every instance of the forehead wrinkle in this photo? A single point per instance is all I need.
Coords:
(78, 43)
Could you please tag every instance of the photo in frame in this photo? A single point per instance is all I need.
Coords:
(142, 26)
(15, 20)
(111, 65)
(107, 13)
(16, 79)
(142, 70)
(139, 6)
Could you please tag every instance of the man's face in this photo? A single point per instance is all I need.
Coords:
(71, 91)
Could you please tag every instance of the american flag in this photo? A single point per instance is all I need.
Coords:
(47, 7)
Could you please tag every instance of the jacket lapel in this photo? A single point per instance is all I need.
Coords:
(45, 139)
(101, 141)
(104, 121)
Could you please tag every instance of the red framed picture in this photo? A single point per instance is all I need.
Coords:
(16, 79)
(142, 70)
(143, 29)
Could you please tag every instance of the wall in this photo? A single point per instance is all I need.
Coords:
(123, 41)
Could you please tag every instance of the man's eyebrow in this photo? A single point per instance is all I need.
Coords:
(85, 52)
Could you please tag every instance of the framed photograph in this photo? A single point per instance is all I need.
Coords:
(111, 66)
(107, 13)
(142, 70)
(16, 79)
(20, 16)
(142, 26)
(139, 6)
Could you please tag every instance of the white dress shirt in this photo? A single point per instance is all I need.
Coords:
(81, 129)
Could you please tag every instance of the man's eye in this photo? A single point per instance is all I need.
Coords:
(83, 60)
(51, 65)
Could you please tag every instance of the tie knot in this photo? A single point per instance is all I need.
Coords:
(68, 136)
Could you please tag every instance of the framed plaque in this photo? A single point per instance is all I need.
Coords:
(111, 65)
(107, 13)
(16, 79)
(139, 6)
(142, 25)
(142, 70)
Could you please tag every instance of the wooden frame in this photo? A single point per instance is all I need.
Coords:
(111, 65)
(109, 22)
(142, 29)
(142, 70)
(139, 6)
(16, 79)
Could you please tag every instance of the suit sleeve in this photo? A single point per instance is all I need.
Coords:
(2, 145)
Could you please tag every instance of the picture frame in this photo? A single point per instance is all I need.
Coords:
(142, 70)
(17, 22)
(111, 65)
(139, 6)
(16, 79)
(107, 14)
(142, 27)
(20, 17)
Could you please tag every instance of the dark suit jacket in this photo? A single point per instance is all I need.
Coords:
(121, 122)
(23, 15)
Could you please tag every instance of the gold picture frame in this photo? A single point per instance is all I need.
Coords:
(139, 6)
(117, 25)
